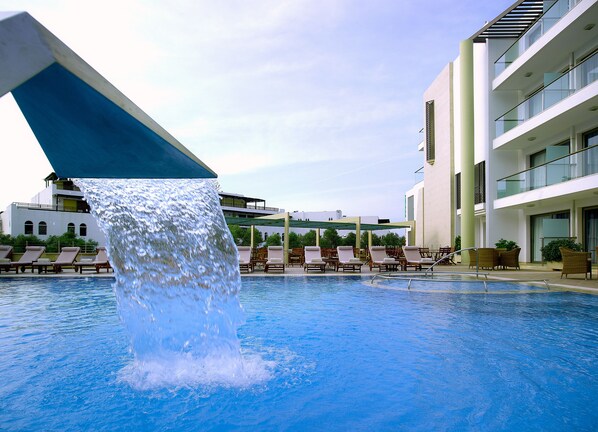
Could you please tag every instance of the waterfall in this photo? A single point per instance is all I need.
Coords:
(177, 280)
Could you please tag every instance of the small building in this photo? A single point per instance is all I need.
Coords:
(57, 209)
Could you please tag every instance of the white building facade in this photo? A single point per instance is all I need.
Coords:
(57, 209)
(534, 171)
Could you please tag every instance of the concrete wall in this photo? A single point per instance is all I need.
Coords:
(438, 199)
(14, 218)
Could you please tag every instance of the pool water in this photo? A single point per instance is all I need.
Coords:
(336, 354)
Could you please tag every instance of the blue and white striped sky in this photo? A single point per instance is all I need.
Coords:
(310, 104)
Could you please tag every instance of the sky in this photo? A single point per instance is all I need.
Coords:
(312, 105)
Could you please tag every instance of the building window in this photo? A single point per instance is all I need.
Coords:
(83, 230)
(70, 228)
(410, 208)
(590, 138)
(42, 228)
(28, 228)
(546, 228)
(479, 185)
(430, 144)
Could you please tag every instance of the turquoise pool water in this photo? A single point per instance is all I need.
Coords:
(332, 354)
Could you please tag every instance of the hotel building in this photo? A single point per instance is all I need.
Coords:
(511, 134)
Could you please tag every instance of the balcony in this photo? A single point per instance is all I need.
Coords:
(550, 17)
(573, 166)
(562, 87)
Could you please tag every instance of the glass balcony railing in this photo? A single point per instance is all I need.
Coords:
(575, 165)
(550, 17)
(570, 82)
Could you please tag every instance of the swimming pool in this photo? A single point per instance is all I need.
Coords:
(340, 355)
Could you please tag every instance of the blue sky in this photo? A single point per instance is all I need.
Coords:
(311, 105)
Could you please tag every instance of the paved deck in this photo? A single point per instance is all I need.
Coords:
(527, 272)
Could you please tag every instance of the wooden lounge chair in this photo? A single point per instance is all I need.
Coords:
(99, 262)
(483, 258)
(5, 257)
(66, 258)
(510, 258)
(347, 259)
(576, 262)
(414, 258)
(275, 259)
(245, 263)
(32, 254)
(379, 259)
(313, 259)
(296, 256)
(444, 256)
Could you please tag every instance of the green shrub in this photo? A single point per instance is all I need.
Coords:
(458, 243)
(551, 251)
(506, 244)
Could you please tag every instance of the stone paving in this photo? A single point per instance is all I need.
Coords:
(528, 272)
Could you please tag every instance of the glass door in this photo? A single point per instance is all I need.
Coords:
(590, 221)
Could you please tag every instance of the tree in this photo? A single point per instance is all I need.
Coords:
(21, 241)
(274, 240)
(294, 240)
(309, 238)
(330, 238)
(237, 234)
(376, 240)
(242, 235)
(68, 239)
(392, 239)
(350, 239)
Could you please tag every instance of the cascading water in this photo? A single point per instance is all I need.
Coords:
(177, 281)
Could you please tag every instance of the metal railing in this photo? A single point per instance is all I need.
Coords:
(549, 18)
(582, 75)
(573, 166)
(50, 207)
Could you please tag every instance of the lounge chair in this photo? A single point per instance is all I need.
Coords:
(275, 259)
(379, 259)
(32, 254)
(296, 256)
(347, 260)
(99, 262)
(245, 258)
(510, 258)
(66, 258)
(576, 262)
(483, 258)
(415, 259)
(5, 255)
(313, 259)
(444, 256)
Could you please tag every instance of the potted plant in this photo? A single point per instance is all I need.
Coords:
(552, 255)
(505, 245)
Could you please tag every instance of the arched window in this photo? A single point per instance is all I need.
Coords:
(42, 228)
(70, 228)
(28, 228)
(83, 230)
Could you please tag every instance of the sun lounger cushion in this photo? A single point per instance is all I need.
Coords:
(317, 261)
(4, 261)
(274, 260)
(388, 260)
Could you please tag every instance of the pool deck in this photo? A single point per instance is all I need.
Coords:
(528, 272)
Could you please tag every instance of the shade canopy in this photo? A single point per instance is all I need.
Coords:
(86, 127)
(279, 221)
